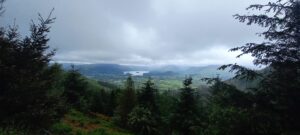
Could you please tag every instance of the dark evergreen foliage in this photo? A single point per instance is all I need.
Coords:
(34, 94)
(144, 119)
(227, 110)
(143, 122)
(112, 103)
(227, 95)
(278, 94)
(147, 96)
(127, 102)
(75, 87)
(27, 79)
(185, 119)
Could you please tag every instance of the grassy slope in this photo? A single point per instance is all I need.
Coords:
(77, 123)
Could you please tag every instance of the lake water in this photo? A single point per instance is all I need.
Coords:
(135, 73)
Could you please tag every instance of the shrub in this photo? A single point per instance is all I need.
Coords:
(61, 129)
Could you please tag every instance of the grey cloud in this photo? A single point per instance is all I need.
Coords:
(195, 32)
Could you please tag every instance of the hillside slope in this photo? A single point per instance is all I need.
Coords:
(78, 123)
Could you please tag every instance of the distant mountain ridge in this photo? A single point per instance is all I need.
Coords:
(168, 70)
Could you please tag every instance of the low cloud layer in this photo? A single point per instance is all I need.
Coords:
(141, 32)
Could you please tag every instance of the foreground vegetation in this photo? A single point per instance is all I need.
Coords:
(77, 123)
(37, 97)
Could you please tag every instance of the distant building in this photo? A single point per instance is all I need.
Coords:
(136, 73)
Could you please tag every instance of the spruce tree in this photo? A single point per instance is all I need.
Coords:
(27, 78)
(185, 118)
(147, 96)
(278, 94)
(112, 102)
(226, 95)
(143, 122)
(127, 102)
(227, 110)
(75, 87)
(144, 118)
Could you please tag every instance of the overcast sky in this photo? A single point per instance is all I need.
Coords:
(141, 32)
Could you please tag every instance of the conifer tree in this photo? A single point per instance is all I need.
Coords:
(278, 94)
(144, 118)
(147, 96)
(143, 122)
(185, 118)
(112, 104)
(225, 95)
(227, 108)
(127, 102)
(27, 77)
(75, 87)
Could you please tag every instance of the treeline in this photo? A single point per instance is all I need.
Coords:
(35, 94)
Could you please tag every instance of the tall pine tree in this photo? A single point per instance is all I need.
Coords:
(185, 118)
(144, 118)
(75, 87)
(147, 96)
(27, 78)
(278, 94)
(127, 102)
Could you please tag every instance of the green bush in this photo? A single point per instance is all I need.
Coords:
(61, 129)
(141, 121)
